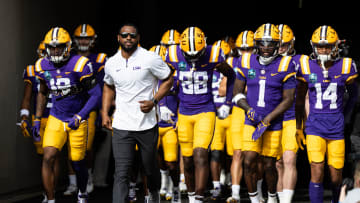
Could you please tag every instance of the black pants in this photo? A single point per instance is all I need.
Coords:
(123, 143)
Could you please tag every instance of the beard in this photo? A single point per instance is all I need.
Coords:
(128, 49)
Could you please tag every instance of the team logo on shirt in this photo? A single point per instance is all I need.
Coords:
(215, 78)
(251, 74)
(313, 78)
(182, 65)
(47, 75)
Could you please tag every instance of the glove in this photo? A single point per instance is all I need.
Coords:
(25, 127)
(253, 116)
(36, 130)
(74, 122)
(260, 129)
(223, 111)
(165, 114)
(300, 138)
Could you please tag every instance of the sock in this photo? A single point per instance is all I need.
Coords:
(316, 192)
(259, 189)
(280, 196)
(182, 178)
(72, 179)
(222, 177)
(272, 198)
(199, 199)
(81, 174)
(235, 192)
(254, 197)
(335, 193)
(51, 201)
(191, 196)
(90, 175)
(216, 184)
(287, 195)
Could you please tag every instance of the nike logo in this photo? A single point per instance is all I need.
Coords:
(337, 76)
(273, 74)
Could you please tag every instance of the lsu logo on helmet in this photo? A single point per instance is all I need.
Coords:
(159, 50)
(170, 37)
(325, 36)
(225, 47)
(193, 43)
(84, 31)
(58, 37)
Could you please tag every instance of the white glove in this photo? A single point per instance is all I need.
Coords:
(223, 111)
(165, 114)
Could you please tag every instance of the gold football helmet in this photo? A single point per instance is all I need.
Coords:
(170, 37)
(245, 42)
(325, 36)
(225, 47)
(84, 31)
(41, 50)
(59, 38)
(287, 39)
(159, 50)
(267, 42)
(193, 43)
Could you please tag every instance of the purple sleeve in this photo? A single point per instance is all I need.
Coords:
(92, 102)
(290, 83)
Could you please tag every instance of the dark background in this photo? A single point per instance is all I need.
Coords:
(23, 25)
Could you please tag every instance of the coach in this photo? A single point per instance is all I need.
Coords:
(132, 75)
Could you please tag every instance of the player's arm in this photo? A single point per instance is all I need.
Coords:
(94, 91)
(41, 99)
(222, 87)
(229, 73)
(302, 89)
(288, 99)
(25, 103)
(239, 96)
(107, 101)
(352, 89)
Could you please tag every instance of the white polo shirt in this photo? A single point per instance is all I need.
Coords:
(135, 79)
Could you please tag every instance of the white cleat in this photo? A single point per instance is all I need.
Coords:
(71, 189)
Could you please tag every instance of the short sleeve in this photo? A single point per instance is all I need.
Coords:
(353, 73)
(159, 68)
(107, 77)
(87, 71)
(29, 74)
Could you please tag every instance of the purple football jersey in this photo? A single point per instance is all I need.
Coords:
(29, 76)
(216, 79)
(195, 79)
(60, 81)
(265, 84)
(98, 62)
(326, 94)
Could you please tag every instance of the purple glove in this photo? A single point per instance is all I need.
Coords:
(253, 116)
(74, 122)
(260, 129)
(36, 130)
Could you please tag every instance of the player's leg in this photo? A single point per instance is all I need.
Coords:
(54, 139)
(203, 133)
(186, 136)
(164, 172)
(270, 150)
(182, 185)
(336, 158)
(316, 149)
(89, 152)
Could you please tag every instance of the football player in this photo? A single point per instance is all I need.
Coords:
(31, 87)
(70, 80)
(84, 38)
(244, 44)
(222, 126)
(271, 86)
(194, 62)
(325, 76)
(286, 165)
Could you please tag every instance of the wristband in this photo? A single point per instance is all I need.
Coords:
(24, 112)
(238, 97)
(154, 101)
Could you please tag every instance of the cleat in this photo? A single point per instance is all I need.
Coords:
(216, 194)
(82, 198)
(70, 190)
(45, 200)
(132, 194)
(154, 197)
(232, 200)
(89, 186)
(183, 188)
(176, 198)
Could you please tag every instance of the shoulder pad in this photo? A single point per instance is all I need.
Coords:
(284, 63)
(100, 58)
(304, 64)
(245, 60)
(80, 64)
(38, 67)
(172, 52)
(346, 65)
(214, 54)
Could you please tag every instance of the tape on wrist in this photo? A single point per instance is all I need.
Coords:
(237, 98)
(24, 112)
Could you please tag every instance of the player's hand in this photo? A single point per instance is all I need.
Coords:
(260, 129)
(106, 122)
(300, 138)
(36, 130)
(146, 106)
(26, 127)
(165, 114)
(74, 122)
(223, 111)
(254, 117)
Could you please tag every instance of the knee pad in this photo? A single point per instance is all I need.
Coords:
(216, 155)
